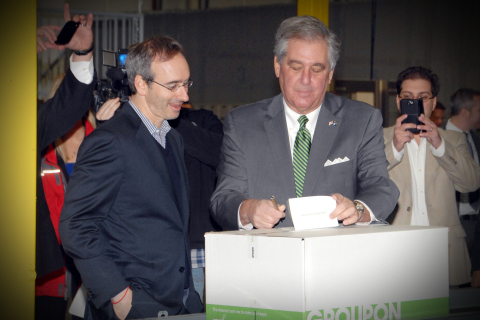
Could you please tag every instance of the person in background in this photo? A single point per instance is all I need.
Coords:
(428, 167)
(202, 134)
(61, 126)
(465, 118)
(438, 115)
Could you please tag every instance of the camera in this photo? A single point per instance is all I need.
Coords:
(118, 84)
(413, 108)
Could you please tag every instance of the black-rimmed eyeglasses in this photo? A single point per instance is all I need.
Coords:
(175, 86)
(424, 97)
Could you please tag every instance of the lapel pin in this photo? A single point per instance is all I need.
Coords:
(332, 123)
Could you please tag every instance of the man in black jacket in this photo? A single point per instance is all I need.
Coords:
(126, 210)
(202, 134)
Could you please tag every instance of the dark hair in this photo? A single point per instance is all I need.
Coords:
(413, 73)
(440, 106)
(306, 28)
(141, 55)
(463, 98)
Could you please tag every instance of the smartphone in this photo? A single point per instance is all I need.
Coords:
(414, 108)
(67, 32)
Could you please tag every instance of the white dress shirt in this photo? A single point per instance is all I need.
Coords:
(293, 125)
(417, 155)
(82, 70)
(292, 128)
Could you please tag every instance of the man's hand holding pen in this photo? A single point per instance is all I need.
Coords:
(263, 214)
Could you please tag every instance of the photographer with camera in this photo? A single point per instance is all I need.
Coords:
(428, 165)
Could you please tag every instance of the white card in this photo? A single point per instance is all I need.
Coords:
(312, 212)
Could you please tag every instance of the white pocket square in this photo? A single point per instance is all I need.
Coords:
(336, 161)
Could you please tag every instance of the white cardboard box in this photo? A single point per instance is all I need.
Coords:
(344, 273)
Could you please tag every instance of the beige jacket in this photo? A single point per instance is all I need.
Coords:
(455, 170)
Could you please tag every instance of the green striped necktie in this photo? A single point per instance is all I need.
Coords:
(301, 151)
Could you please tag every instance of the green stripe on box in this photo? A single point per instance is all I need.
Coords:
(420, 309)
(219, 312)
(417, 309)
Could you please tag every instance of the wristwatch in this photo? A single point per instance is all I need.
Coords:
(360, 208)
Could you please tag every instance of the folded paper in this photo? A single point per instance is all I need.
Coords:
(312, 212)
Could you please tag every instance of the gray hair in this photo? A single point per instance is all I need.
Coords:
(463, 98)
(141, 55)
(306, 28)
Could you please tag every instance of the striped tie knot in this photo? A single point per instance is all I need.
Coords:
(302, 120)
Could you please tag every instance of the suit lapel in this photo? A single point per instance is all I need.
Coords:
(322, 142)
(476, 141)
(149, 148)
(405, 172)
(177, 151)
(431, 166)
(277, 135)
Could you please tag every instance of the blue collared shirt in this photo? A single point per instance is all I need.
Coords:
(159, 134)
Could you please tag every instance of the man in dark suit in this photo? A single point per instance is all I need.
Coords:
(262, 152)
(125, 218)
(465, 117)
(202, 133)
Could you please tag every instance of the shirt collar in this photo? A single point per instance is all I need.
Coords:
(451, 126)
(292, 117)
(158, 133)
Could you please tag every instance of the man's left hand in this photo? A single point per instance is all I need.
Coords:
(431, 133)
(347, 211)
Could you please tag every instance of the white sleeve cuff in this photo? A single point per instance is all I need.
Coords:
(398, 155)
(240, 225)
(82, 70)
(440, 151)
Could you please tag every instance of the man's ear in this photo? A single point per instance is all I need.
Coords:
(276, 66)
(465, 113)
(330, 76)
(140, 85)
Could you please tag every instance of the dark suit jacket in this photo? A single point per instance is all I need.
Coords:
(476, 249)
(202, 133)
(256, 160)
(122, 222)
(54, 118)
(475, 196)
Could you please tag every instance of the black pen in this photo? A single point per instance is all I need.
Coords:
(275, 204)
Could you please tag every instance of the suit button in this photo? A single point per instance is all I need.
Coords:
(408, 208)
(90, 293)
(182, 269)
